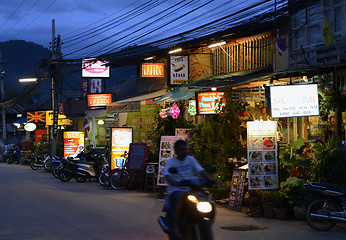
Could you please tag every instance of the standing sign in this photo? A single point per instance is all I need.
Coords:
(237, 189)
(294, 101)
(262, 154)
(166, 152)
(137, 156)
(73, 143)
(93, 68)
(206, 102)
(179, 70)
(121, 140)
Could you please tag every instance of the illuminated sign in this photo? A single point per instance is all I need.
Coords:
(38, 135)
(36, 117)
(29, 127)
(179, 69)
(73, 143)
(93, 68)
(152, 70)
(62, 119)
(294, 101)
(206, 102)
(121, 139)
(99, 100)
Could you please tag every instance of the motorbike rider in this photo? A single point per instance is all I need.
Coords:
(187, 168)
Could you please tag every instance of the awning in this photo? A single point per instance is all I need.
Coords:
(143, 97)
(180, 93)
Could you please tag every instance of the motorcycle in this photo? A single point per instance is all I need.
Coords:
(37, 162)
(325, 205)
(198, 215)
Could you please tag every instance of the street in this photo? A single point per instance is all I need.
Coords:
(35, 205)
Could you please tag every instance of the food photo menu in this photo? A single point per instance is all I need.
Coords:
(262, 154)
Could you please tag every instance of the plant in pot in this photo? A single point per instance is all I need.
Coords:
(281, 199)
(268, 203)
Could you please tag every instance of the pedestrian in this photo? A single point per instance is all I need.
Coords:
(18, 152)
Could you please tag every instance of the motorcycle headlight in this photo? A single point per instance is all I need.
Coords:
(192, 198)
(204, 207)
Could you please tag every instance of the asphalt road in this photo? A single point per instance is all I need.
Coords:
(35, 205)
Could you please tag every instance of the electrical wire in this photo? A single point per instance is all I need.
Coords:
(12, 14)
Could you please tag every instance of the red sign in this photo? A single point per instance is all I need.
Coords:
(73, 143)
(152, 70)
(99, 100)
(38, 135)
(206, 102)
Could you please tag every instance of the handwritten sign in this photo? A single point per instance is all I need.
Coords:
(137, 156)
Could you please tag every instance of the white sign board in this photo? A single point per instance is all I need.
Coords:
(179, 69)
(294, 101)
(93, 68)
(262, 155)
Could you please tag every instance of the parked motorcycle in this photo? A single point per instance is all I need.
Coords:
(69, 170)
(199, 212)
(325, 205)
(37, 162)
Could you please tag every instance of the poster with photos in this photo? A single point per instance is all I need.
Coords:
(262, 154)
(166, 152)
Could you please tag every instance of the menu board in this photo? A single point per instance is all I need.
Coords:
(166, 152)
(120, 143)
(73, 143)
(137, 156)
(237, 189)
(262, 154)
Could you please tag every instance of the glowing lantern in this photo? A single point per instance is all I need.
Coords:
(175, 111)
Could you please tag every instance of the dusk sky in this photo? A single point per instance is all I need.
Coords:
(130, 22)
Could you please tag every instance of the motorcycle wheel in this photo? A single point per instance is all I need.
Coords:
(10, 160)
(48, 165)
(103, 178)
(64, 177)
(32, 165)
(119, 180)
(81, 178)
(55, 171)
(323, 207)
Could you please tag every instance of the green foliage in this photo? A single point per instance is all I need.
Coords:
(293, 187)
(328, 163)
(330, 100)
(277, 196)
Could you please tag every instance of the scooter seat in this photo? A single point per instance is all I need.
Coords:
(337, 188)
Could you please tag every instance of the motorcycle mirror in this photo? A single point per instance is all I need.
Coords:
(173, 170)
(212, 170)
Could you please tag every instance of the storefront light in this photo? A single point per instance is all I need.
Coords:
(175, 50)
(17, 125)
(100, 122)
(148, 58)
(213, 89)
(217, 44)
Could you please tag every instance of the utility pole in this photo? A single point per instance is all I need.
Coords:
(54, 75)
(4, 129)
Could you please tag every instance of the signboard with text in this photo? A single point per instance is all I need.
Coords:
(73, 143)
(99, 100)
(152, 70)
(93, 68)
(206, 102)
(39, 134)
(179, 70)
(262, 154)
(121, 139)
(137, 155)
(294, 101)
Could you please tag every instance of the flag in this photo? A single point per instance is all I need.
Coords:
(86, 127)
(281, 42)
(328, 36)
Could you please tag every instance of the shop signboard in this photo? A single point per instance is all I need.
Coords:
(62, 119)
(93, 68)
(39, 134)
(237, 189)
(137, 155)
(294, 101)
(73, 143)
(120, 143)
(262, 154)
(166, 152)
(179, 70)
(36, 117)
(99, 100)
(96, 85)
(206, 102)
(84, 87)
(152, 70)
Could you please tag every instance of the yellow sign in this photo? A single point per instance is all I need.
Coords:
(62, 119)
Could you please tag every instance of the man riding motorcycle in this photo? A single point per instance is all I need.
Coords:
(187, 167)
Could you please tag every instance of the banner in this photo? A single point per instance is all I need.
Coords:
(166, 152)
(262, 154)
(121, 139)
(73, 143)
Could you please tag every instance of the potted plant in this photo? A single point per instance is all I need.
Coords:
(280, 210)
(268, 203)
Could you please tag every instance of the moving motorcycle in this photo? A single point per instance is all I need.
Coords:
(326, 205)
(198, 215)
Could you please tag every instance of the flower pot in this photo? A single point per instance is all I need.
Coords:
(268, 209)
(280, 213)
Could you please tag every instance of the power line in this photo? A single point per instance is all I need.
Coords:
(12, 14)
